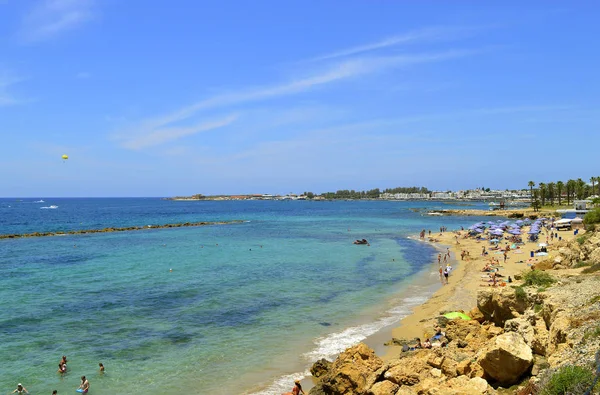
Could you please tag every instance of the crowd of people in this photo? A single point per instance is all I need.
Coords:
(84, 385)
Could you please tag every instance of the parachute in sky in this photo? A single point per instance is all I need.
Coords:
(65, 157)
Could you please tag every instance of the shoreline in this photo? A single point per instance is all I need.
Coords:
(464, 283)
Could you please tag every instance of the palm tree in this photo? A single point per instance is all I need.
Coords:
(531, 184)
(559, 189)
(593, 180)
(570, 191)
(542, 187)
(551, 192)
(580, 187)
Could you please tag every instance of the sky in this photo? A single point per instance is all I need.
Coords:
(165, 98)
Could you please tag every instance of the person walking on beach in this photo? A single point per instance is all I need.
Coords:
(439, 259)
(505, 256)
(297, 390)
(20, 389)
(441, 274)
(446, 273)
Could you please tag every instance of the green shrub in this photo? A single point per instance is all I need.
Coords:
(580, 264)
(591, 269)
(516, 215)
(538, 278)
(595, 299)
(592, 333)
(541, 289)
(592, 217)
(520, 293)
(568, 379)
(537, 308)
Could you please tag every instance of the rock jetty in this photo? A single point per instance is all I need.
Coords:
(112, 229)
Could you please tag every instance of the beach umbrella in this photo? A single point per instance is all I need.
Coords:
(514, 232)
(456, 314)
(533, 232)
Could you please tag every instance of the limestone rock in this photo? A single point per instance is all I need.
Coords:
(350, 372)
(507, 359)
(464, 385)
(476, 315)
(384, 388)
(320, 367)
(500, 304)
(402, 374)
(558, 332)
(406, 391)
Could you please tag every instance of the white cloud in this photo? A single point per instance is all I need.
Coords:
(338, 72)
(52, 17)
(421, 35)
(149, 138)
(82, 75)
(6, 81)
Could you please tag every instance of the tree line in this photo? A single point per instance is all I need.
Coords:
(548, 193)
(369, 194)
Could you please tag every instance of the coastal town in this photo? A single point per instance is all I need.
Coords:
(478, 194)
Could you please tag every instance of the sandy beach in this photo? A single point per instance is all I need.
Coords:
(465, 280)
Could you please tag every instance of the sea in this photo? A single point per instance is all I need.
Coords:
(241, 308)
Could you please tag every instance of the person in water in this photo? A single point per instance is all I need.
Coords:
(62, 368)
(20, 389)
(297, 390)
(55, 392)
(85, 385)
(101, 367)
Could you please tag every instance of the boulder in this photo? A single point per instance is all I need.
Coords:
(465, 386)
(522, 327)
(402, 374)
(507, 359)
(350, 372)
(384, 388)
(558, 332)
(406, 391)
(477, 315)
(320, 367)
(500, 304)
(541, 335)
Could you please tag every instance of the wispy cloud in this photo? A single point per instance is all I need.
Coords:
(421, 35)
(341, 71)
(50, 18)
(6, 81)
(159, 136)
(83, 75)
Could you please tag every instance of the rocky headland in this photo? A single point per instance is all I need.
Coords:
(538, 335)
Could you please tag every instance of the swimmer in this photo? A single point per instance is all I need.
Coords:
(85, 385)
(170, 270)
(54, 392)
(20, 389)
(101, 367)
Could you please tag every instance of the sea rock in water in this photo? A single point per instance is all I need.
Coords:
(507, 359)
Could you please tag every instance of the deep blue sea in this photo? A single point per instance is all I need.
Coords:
(225, 309)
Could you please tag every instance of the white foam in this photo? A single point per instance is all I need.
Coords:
(283, 384)
(49, 207)
(331, 345)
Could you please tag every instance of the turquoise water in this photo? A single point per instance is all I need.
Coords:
(246, 307)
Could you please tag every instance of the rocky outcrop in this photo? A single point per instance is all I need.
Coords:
(509, 341)
(500, 304)
(350, 372)
(507, 359)
(587, 249)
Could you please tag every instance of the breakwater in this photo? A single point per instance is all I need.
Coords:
(113, 229)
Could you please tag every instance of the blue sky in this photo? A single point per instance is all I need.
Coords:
(157, 98)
